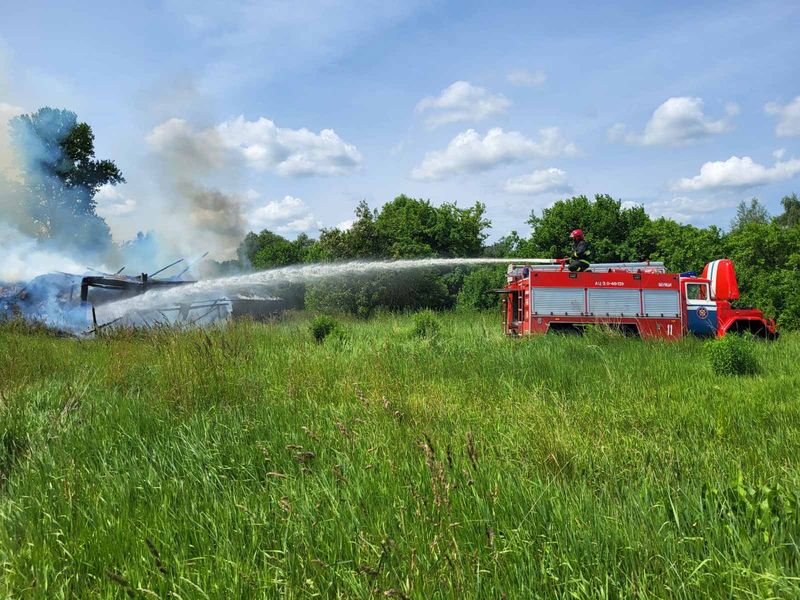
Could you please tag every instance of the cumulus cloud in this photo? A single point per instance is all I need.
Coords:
(538, 182)
(346, 225)
(468, 152)
(260, 145)
(523, 77)
(685, 209)
(788, 117)
(738, 173)
(678, 121)
(286, 216)
(111, 202)
(461, 101)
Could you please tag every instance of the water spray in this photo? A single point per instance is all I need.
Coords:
(293, 274)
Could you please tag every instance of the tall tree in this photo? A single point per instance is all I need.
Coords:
(61, 178)
(791, 212)
(607, 225)
(752, 212)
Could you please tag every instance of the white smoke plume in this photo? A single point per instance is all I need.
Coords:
(23, 257)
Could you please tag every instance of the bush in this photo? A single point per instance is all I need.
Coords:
(323, 326)
(426, 324)
(474, 293)
(732, 355)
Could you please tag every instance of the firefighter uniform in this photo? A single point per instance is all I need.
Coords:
(579, 259)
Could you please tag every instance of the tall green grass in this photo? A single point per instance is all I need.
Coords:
(251, 461)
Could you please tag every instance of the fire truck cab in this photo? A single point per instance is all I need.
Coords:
(635, 298)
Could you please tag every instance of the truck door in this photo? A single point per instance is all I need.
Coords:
(701, 310)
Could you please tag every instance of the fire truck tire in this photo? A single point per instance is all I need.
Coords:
(755, 328)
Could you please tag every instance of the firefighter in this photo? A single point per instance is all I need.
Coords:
(579, 259)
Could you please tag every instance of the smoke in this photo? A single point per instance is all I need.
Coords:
(200, 217)
(216, 217)
(9, 167)
(23, 257)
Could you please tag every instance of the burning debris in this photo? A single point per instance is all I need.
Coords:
(73, 303)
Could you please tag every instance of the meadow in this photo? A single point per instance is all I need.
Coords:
(250, 461)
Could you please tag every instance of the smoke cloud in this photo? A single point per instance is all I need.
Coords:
(23, 257)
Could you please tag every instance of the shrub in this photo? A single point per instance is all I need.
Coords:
(732, 355)
(323, 326)
(474, 293)
(426, 324)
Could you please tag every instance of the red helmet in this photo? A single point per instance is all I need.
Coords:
(576, 234)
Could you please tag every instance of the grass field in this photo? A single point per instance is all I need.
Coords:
(251, 462)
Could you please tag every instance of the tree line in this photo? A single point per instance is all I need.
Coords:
(765, 249)
(54, 202)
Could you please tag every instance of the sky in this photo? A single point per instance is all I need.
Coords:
(253, 114)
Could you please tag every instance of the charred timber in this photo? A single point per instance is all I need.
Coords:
(136, 285)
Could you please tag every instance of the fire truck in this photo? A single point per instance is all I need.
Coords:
(640, 299)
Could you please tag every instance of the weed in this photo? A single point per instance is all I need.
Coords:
(732, 355)
(426, 325)
(322, 326)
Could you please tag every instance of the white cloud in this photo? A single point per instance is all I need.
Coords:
(788, 117)
(260, 145)
(538, 182)
(113, 203)
(289, 215)
(524, 77)
(778, 154)
(468, 152)
(346, 224)
(676, 122)
(738, 173)
(461, 101)
(686, 209)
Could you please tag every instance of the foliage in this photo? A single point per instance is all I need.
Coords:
(362, 295)
(754, 212)
(61, 178)
(791, 212)
(766, 251)
(247, 462)
(322, 326)
(732, 355)
(408, 228)
(267, 250)
(475, 291)
(426, 325)
(608, 227)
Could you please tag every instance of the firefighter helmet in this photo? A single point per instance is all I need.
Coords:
(576, 234)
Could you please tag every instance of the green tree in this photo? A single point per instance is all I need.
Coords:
(791, 212)
(475, 293)
(681, 247)
(362, 240)
(608, 227)
(752, 212)
(408, 228)
(61, 177)
(767, 260)
(267, 250)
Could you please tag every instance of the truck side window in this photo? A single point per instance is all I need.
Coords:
(697, 291)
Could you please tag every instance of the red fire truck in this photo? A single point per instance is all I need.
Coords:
(636, 298)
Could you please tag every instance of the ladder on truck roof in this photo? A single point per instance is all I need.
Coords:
(630, 267)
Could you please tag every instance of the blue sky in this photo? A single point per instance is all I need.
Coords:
(292, 112)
